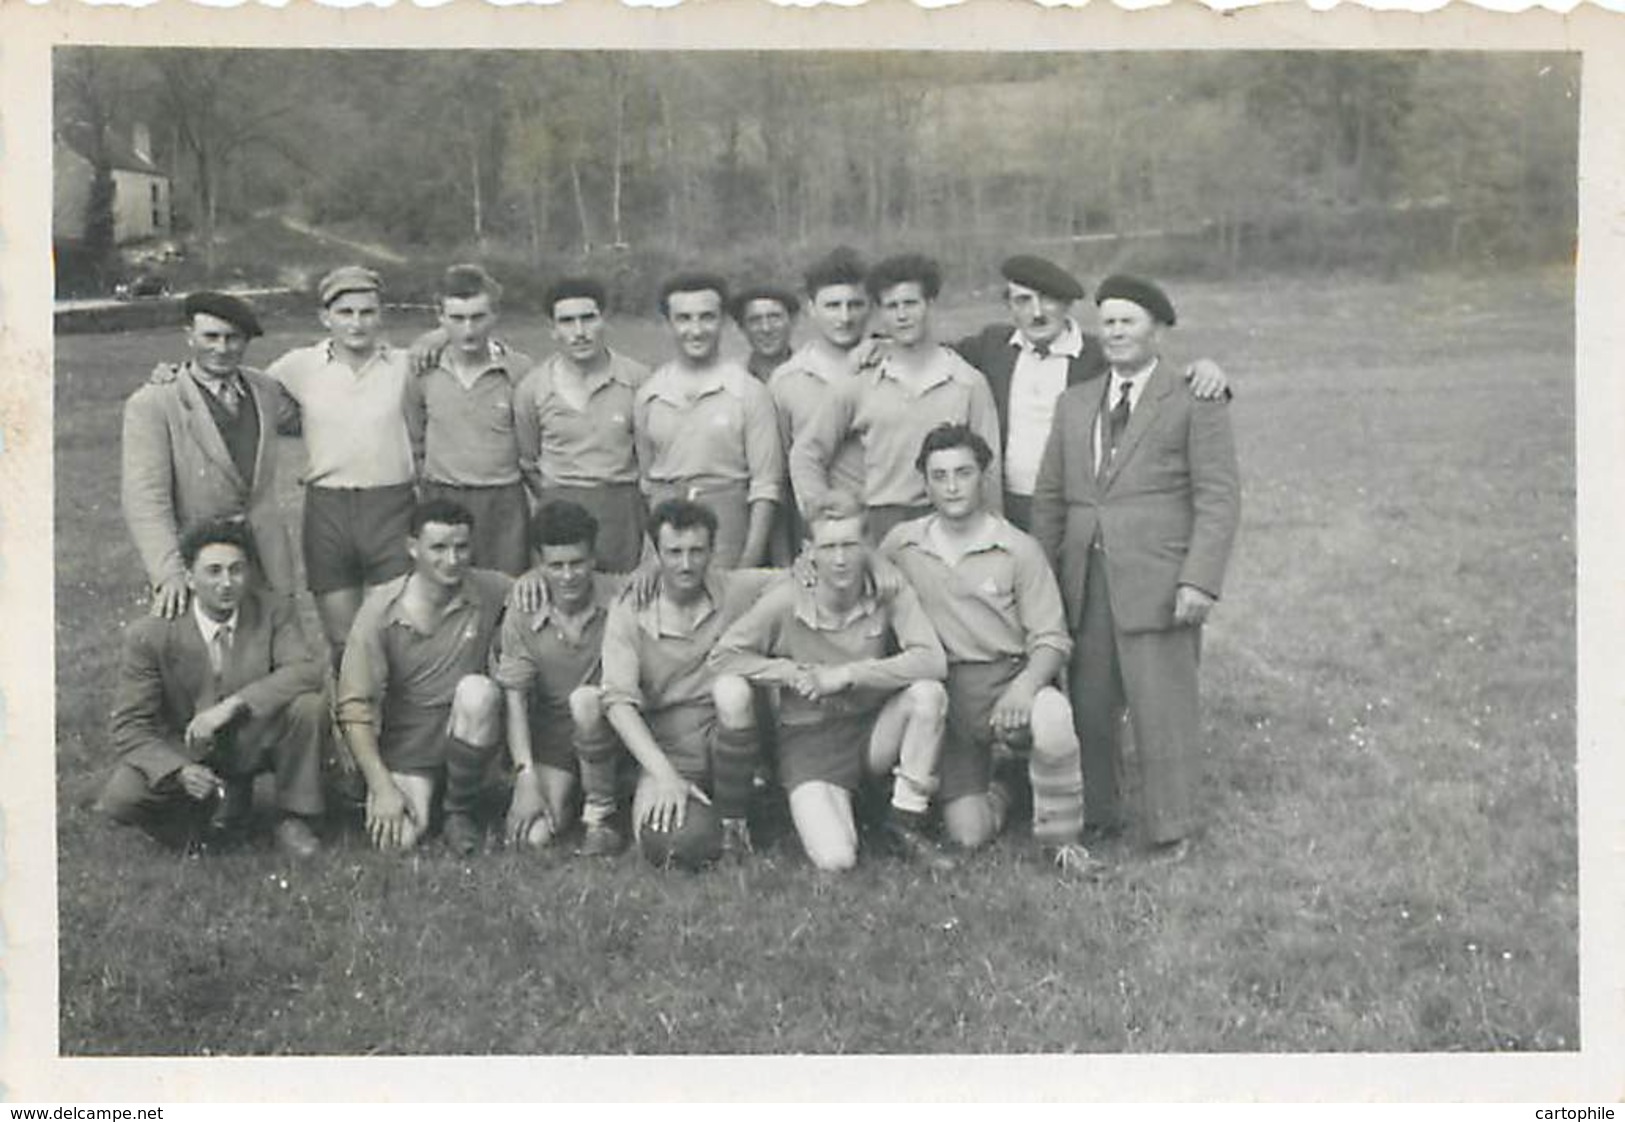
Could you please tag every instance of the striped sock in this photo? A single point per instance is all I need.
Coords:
(599, 758)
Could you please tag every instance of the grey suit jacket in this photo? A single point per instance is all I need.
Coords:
(176, 471)
(165, 678)
(1165, 509)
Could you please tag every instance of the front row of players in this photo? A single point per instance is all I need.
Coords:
(923, 670)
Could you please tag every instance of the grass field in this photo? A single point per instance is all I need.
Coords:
(1389, 859)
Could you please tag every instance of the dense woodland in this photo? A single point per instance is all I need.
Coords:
(1201, 162)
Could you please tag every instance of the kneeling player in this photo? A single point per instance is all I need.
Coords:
(995, 604)
(860, 688)
(549, 670)
(416, 705)
(693, 736)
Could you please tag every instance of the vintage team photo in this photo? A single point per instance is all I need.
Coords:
(610, 552)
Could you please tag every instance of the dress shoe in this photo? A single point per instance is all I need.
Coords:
(295, 838)
(736, 843)
(232, 803)
(1171, 853)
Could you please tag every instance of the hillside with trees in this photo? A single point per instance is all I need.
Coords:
(1184, 163)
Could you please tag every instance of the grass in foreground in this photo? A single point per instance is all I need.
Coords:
(1389, 862)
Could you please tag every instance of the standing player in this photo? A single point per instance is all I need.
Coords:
(766, 314)
(358, 482)
(415, 702)
(990, 593)
(838, 309)
(574, 423)
(705, 428)
(460, 415)
(890, 406)
(860, 685)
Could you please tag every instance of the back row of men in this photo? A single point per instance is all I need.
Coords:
(425, 467)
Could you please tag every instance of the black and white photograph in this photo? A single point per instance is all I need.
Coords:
(814, 552)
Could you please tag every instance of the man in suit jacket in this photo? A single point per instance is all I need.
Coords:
(210, 698)
(202, 445)
(1136, 505)
(1028, 367)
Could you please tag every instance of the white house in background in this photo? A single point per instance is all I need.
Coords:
(141, 191)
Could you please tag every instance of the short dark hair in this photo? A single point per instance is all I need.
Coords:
(692, 282)
(739, 303)
(562, 522)
(901, 269)
(463, 282)
(946, 436)
(216, 531)
(841, 265)
(682, 514)
(577, 288)
(443, 511)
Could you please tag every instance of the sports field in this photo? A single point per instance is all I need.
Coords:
(1389, 859)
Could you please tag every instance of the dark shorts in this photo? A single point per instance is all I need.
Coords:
(966, 766)
(621, 516)
(501, 538)
(829, 751)
(552, 733)
(356, 536)
(414, 739)
(684, 733)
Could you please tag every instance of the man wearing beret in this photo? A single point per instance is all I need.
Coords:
(767, 315)
(1136, 505)
(199, 445)
(1029, 367)
(358, 482)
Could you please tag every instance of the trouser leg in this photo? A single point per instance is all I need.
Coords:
(162, 810)
(1160, 678)
(1097, 702)
(294, 739)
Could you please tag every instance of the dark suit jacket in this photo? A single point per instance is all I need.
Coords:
(165, 679)
(989, 350)
(1166, 509)
(176, 471)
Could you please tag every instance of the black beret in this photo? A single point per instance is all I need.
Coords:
(763, 292)
(232, 309)
(1141, 292)
(1045, 276)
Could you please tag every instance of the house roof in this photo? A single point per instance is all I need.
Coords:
(80, 138)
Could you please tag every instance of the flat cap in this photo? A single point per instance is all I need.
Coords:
(1043, 275)
(1141, 292)
(778, 295)
(233, 309)
(347, 278)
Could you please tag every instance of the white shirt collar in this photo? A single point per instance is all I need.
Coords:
(209, 626)
(1069, 343)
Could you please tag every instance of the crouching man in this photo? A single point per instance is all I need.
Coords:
(549, 670)
(417, 708)
(989, 592)
(209, 699)
(693, 736)
(860, 677)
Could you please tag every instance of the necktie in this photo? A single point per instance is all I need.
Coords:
(1041, 350)
(220, 649)
(1118, 419)
(229, 396)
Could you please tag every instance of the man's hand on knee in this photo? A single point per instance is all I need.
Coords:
(390, 823)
